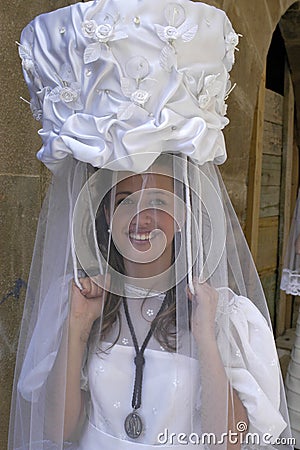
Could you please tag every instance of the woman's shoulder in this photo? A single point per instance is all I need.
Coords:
(238, 307)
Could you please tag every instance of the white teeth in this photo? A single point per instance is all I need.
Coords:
(140, 237)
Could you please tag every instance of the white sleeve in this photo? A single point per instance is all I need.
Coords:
(45, 341)
(249, 355)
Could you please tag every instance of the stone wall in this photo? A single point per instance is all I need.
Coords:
(22, 178)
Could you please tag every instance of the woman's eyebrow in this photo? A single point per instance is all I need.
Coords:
(158, 191)
(147, 191)
(123, 193)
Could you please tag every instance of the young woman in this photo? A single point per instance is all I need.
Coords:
(143, 229)
(145, 324)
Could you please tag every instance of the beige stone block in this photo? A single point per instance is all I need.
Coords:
(19, 208)
(19, 141)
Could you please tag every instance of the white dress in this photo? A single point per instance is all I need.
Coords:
(168, 386)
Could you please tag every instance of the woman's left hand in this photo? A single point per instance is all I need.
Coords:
(205, 302)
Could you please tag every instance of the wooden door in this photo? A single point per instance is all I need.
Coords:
(272, 188)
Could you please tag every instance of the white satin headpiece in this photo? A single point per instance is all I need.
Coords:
(106, 76)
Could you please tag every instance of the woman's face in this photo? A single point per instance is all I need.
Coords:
(143, 224)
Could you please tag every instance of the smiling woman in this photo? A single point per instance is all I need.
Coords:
(148, 312)
(143, 222)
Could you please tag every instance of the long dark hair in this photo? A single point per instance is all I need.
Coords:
(164, 324)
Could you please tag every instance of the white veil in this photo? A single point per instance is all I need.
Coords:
(142, 121)
(290, 281)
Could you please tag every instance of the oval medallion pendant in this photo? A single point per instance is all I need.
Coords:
(133, 425)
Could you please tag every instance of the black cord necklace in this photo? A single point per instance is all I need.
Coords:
(133, 423)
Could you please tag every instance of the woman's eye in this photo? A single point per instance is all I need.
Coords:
(157, 202)
(125, 201)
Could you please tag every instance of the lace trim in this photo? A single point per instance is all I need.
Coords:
(290, 282)
(132, 291)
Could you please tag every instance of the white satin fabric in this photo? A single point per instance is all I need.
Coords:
(98, 100)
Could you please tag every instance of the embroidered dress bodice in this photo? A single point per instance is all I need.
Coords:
(167, 385)
(169, 379)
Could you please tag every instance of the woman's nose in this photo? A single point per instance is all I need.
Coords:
(144, 217)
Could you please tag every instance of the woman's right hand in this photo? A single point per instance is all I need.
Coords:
(87, 304)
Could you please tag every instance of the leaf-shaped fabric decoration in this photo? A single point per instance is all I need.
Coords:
(168, 58)
(200, 82)
(92, 53)
(161, 32)
(128, 86)
(75, 105)
(118, 35)
(188, 32)
(190, 82)
(76, 86)
(126, 110)
(66, 73)
(213, 89)
(54, 95)
(24, 51)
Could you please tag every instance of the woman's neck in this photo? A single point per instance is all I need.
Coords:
(154, 275)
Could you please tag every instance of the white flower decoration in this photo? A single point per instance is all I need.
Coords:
(169, 34)
(209, 88)
(210, 91)
(27, 58)
(150, 312)
(102, 34)
(88, 28)
(204, 100)
(177, 28)
(68, 90)
(36, 112)
(232, 39)
(231, 42)
(140, 97)
(136, 87)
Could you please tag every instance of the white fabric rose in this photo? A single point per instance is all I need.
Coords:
(37, 113)
(67, 94)
(140, 97)
(204, 100)
(170, 33)
(232, 39)
(103, 32)
(88, 28)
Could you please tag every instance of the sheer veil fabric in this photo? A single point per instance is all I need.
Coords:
(290, 283)
(132, 104)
